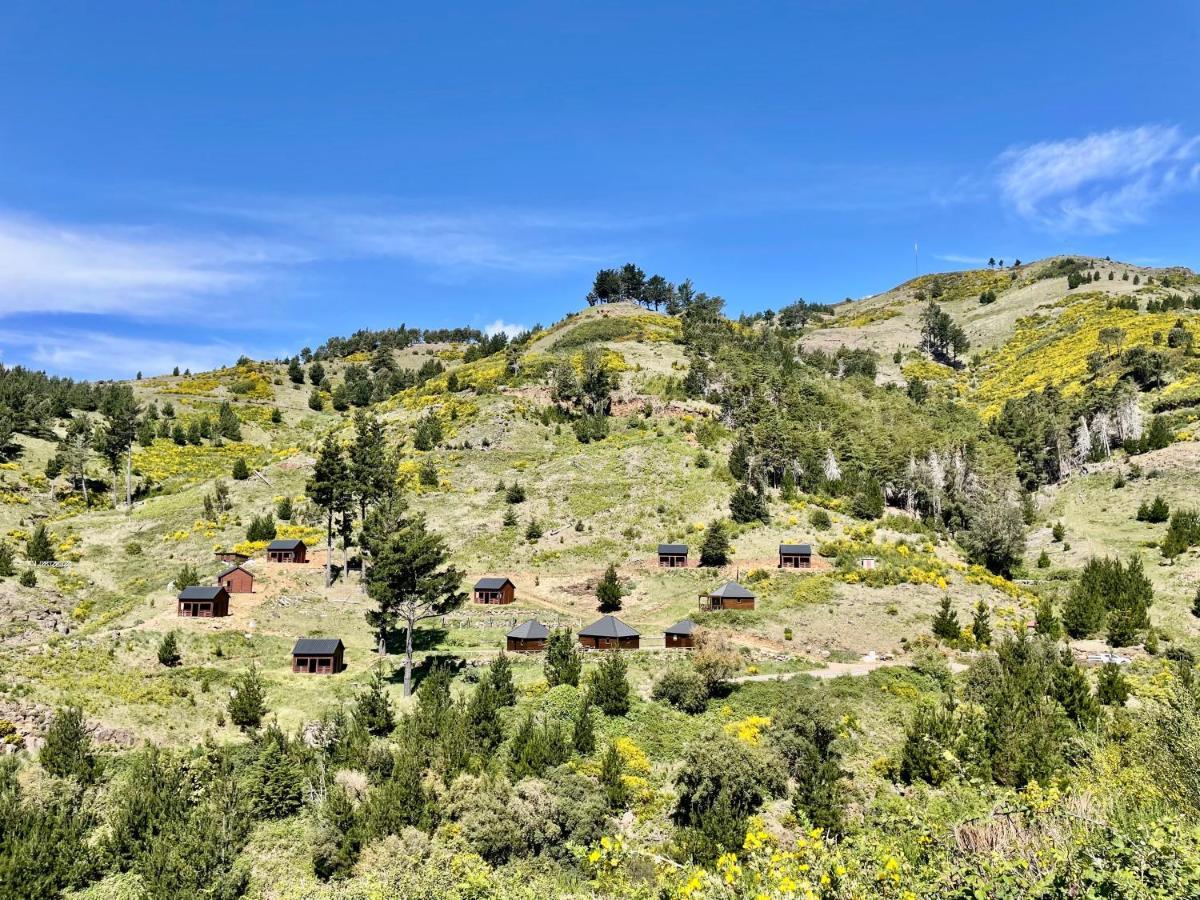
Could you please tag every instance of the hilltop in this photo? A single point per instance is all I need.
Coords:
(985, 482)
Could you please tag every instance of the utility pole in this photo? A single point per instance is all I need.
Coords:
(916, 260)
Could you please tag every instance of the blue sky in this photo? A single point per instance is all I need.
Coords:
(184, 182)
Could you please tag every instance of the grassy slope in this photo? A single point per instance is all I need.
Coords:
(638, 487)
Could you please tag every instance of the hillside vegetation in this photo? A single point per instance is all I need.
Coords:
(996, 471)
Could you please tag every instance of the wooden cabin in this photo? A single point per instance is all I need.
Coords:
(795, 556)
(232, 556)
(203, 601)
(681, 635)
(290, 550)
(237, 580)
(528, 637)
(730, 595)
(495, 590)
(318, 656)
(609, 633)
(672, 556)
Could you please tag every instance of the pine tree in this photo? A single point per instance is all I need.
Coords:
(329, 490)
(483, 720)
(67, 750)
(1071, 690)
(748, 505)
(316, 373)
(610, 689)
(714, 550)
(583, 733)
(1046, 622)
(228, 424)
(373, 707)
(1111, 687)
(500, 673)
(247, 704)
(563, 664)
(241, 471)
(409, 579)
(612, 778)
(981, 627)
(285, 509)
(39, 548)
(168, 650)
(6, 560)
(608, 591)
(945, 621)
(295, 372)
(1058, 532)
(510, 518)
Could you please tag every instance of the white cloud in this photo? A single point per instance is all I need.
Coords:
(961, 260)
(91, 354)
(502, 327)
(1102, 182)
(75, 269)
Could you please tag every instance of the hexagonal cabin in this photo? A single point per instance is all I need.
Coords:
(730, 595)
(237, 580)
(681, 635)
(318, 656)
(288, 550)
(495, 590)
(202, 601)
(528, 637)
(609, 633)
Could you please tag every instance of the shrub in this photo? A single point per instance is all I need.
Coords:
(247, 703)
(1155, 511)
(67, 751)
(262, 528)
(1111, 687)
(609, 689)
(39, 547)
(819, 519)
(284, 509)
(1043, 560)
(168, 650)
(28, 578)
(241, 471)
(6, 560)
(683, 688)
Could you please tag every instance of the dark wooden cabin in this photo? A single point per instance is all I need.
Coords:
(203, 601)
(681, 635)
(318, 656)
(609, 633)
(528, 637)
(495, 590)
(730, 595)
(231, 556)
(795, 556)
(672, 556)
(237, 580)
(289, 550)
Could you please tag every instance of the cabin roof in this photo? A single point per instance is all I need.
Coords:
(686, 628)
(533, 630)
(731, 590)
(201, 592)
(672, 549)
(285, 544)
(795, 549)
(609, 627)
(491, 584)
(234, 568)
(316, 646)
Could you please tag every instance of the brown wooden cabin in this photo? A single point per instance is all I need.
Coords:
(730, 595)
(318, 656)
(672, 556)
(609, 633)
(237, 580)
(231, 556)
(795, 556)
(681, 635)
(528, 637)
(495, 590)
(289, 550)
(203, 601)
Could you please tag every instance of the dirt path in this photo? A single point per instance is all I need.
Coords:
(835, 670)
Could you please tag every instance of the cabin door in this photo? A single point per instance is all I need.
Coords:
(312, 665)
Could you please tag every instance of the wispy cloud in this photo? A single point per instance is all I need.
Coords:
(961, 260)
(47, 267)
(1102, 182)
(514, 240)
(92, 354)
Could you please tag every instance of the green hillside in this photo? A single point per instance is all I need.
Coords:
(978, 483)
